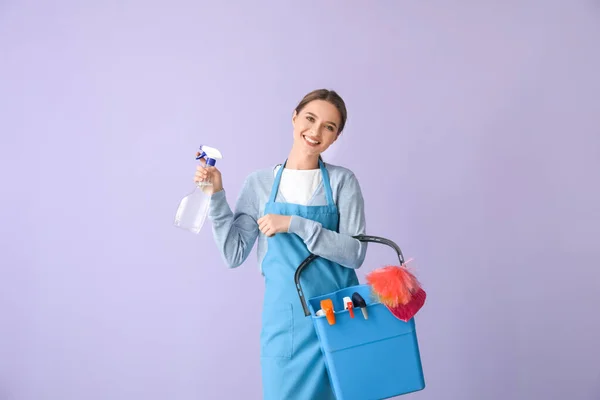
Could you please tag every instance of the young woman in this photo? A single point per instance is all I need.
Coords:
(303, 206)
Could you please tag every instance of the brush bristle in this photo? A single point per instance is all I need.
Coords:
(393, 285)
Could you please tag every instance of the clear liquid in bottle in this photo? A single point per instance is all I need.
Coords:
(193, 208)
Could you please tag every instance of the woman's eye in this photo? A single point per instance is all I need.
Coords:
(330, 128)
(311, 119)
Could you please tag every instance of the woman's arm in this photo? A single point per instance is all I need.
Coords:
(340, 247)
(235, 232)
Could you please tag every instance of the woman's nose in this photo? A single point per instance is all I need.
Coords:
(315, 128)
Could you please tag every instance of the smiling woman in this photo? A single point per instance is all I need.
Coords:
(300, 207)
(319, 119)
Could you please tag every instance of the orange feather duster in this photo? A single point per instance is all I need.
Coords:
(398, 289)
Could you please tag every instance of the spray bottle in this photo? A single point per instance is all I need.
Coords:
(193, 208)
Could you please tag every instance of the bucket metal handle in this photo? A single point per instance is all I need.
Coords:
(310, 258)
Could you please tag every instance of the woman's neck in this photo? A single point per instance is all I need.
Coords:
(302, 161)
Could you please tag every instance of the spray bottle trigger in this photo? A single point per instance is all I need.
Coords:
(349, 306)
(210, 154)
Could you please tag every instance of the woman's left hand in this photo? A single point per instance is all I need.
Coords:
(271, 224)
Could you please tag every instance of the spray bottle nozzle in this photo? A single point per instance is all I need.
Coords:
(210, 153)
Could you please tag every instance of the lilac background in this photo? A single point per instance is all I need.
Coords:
(474, 130)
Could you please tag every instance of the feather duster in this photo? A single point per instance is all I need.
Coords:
(398, 289)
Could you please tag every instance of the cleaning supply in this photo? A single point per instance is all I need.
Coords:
(193, 208)
(387, 346)
(398, 289)
(327, 307)
(359, 302)
(349, 306)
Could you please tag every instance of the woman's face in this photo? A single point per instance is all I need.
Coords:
(316, 127)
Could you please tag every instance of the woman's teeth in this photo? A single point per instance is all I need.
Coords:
(311, 141)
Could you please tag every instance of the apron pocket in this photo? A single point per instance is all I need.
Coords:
(277, 331)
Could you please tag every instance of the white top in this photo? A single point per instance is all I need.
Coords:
(298, 186)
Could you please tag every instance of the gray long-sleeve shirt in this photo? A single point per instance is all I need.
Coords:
(235, 232)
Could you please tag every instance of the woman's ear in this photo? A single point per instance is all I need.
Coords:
(294, 115)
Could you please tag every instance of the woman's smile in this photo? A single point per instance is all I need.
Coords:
(311, 141)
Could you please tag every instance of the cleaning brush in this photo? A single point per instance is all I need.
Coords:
(398, 289)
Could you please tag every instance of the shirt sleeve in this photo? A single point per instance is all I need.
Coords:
(340, 247)
(235, 232)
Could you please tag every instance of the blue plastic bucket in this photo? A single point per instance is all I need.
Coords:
(375, 358)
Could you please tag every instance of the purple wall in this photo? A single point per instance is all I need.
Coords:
(474, 130)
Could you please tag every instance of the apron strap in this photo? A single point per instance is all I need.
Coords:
(326, 183)
(275, 187)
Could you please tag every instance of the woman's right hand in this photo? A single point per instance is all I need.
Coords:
(210, 174)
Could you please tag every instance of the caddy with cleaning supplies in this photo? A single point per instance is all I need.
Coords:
(374, 356)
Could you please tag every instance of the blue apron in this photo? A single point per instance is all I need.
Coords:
(291, 360)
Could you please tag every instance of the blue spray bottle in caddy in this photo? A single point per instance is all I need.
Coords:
(193, 208)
